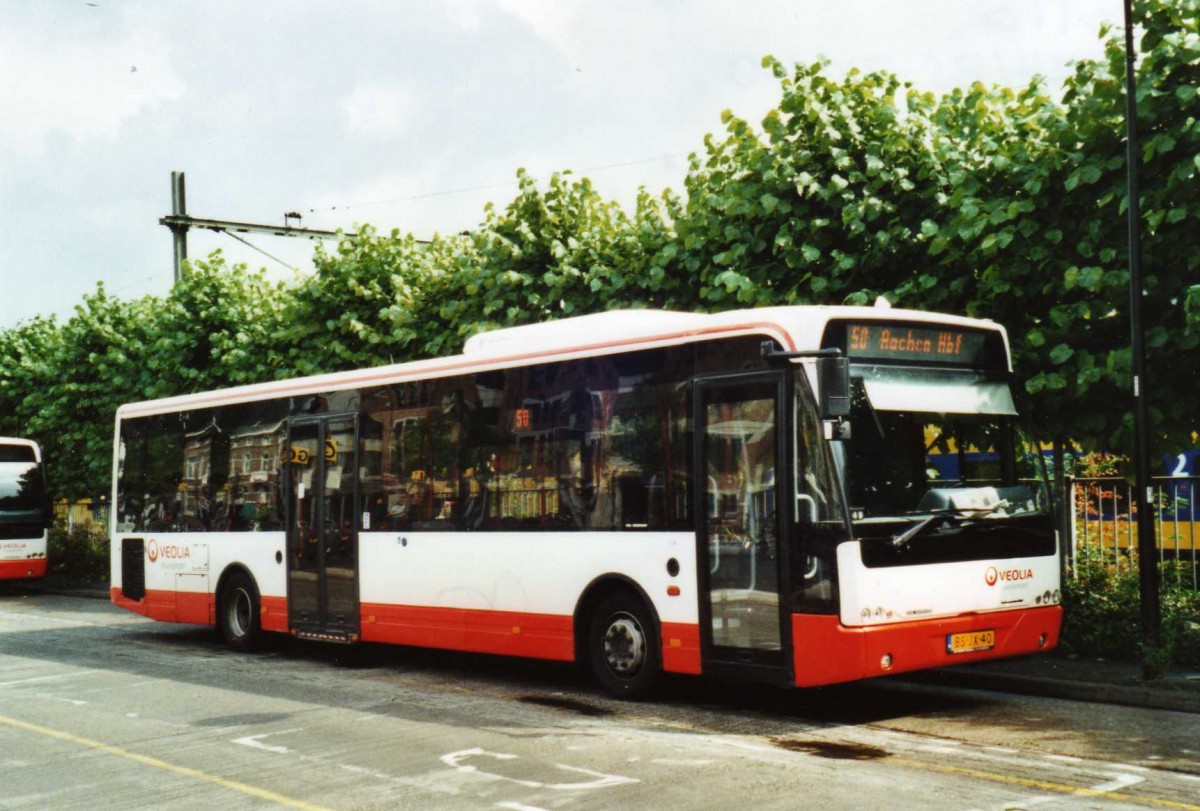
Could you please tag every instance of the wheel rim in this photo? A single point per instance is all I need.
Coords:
(239, 612)
(624, 645)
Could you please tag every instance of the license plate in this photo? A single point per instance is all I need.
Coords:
(970, 642)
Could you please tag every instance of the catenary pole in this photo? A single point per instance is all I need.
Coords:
(179, 232)
(179, 222)
(1143, 495)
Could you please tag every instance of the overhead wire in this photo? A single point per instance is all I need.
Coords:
(250, 244)
(427, 195)
(245, 242)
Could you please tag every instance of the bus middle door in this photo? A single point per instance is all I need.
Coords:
(322, 533)
(743, 571)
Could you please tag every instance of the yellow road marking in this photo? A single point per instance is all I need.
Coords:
(1041, 785)
(145, 760)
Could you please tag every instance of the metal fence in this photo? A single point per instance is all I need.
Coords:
(1105, 520)
(83, 512)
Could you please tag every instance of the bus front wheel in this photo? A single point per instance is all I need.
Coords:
(238, 613)
(623, 647)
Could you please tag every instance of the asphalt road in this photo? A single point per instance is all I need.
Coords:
(103, 709)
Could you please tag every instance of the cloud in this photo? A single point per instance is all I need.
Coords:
(378, 110)
(466, 14)
(83, 88)
(551, 20)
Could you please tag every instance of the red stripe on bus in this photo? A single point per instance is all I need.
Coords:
(193, 607)
(458, 363)
(273, 612)
(508, 633)
(827, 652)
(680, 648)
(120, 600)
(538, 636)
(21, 569)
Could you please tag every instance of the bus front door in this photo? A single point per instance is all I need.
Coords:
(322, 533)
(739, 448)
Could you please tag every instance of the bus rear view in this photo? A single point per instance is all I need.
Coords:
(24, 510)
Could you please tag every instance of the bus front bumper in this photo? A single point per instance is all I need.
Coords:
(827, 652)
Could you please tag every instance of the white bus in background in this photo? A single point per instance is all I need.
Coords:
(750, 493)
(24, 510)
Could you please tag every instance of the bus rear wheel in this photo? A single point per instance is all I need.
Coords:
(238, 613)
(623, 647)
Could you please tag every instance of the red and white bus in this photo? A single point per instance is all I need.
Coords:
(746, 493)
(24, 510)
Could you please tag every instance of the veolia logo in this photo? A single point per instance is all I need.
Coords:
(152, 551)
(994, 575)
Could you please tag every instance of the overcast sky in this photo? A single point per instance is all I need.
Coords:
(411, 115)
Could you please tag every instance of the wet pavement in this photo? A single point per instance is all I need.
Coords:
(1056, 675)
(1052, 675)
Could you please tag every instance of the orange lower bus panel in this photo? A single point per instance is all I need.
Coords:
(508, 633)
(22, 569)
(170, 606)
(827, 652)
(680, 648)
(539, 636)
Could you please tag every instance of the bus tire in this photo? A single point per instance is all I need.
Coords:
(238, 613)
(623, 647)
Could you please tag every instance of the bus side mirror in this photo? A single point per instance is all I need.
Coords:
(833, 380)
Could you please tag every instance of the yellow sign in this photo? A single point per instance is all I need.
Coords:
(971, 641)
(299, 456)
(331, 450)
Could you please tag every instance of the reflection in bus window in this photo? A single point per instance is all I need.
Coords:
(201, 471)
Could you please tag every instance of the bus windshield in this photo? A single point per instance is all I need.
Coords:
(21, 491)
(906, 462)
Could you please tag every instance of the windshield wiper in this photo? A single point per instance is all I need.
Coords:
(902, 538)
(945, 514)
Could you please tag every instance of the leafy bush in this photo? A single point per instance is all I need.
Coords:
(79, 554)
(1102, 611)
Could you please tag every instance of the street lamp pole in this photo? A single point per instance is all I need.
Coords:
(1143, 495)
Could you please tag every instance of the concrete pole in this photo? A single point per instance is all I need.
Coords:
(179, 232)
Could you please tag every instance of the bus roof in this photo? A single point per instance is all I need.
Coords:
(795, 328)
(28, 443)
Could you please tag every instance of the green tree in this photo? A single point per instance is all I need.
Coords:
(997, 203)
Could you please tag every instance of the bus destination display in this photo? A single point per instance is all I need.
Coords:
(895, 342)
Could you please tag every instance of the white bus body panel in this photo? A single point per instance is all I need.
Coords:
(892, 594)
(193, 562)
(532, 572)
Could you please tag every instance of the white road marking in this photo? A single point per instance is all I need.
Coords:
(602, 780)
(519, 807)
(1119, 781)
(32, 679)
(455, 760)
(1063, 758)
(681, 762)
(255, 741)
(1129, 767)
